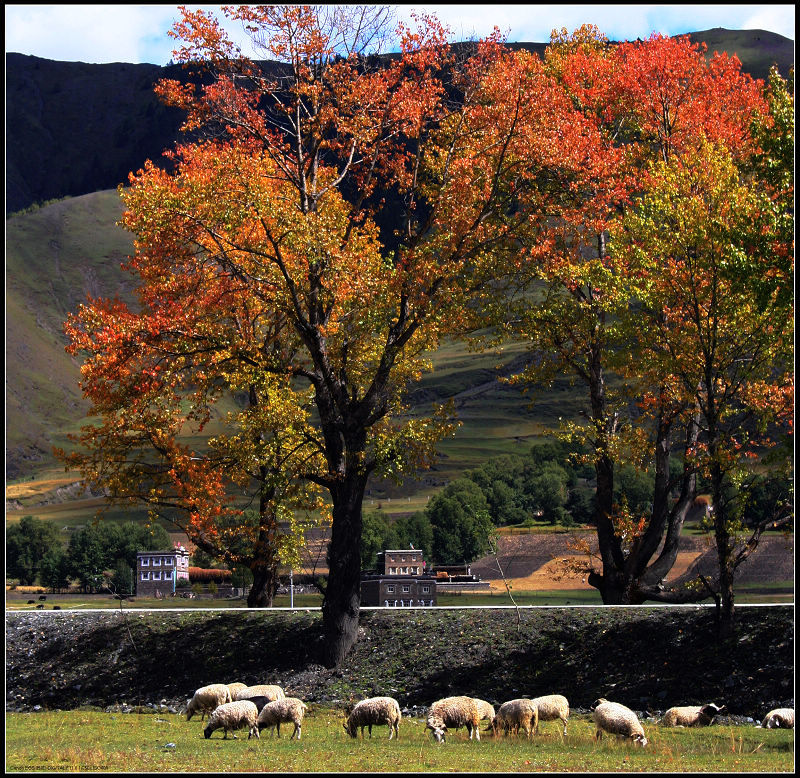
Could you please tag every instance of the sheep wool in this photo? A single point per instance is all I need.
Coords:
(485, 709)
(271, 691)
(780, 718)
(690, 715)
(551, 707)
(453, 712)
(514, 715)
(206, 699)
(233, 688)
(615, 719)
(289, 710)
(231, 716)
(374, 711)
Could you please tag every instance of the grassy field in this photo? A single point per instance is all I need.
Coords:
(163, 742)
(778, 592)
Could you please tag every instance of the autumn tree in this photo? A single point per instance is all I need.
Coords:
(337, 215)
(716, 322)
(630, 104)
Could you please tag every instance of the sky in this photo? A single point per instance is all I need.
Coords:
(137, 33)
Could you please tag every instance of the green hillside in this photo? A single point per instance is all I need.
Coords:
(57, 254)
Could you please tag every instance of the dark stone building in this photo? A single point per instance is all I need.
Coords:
(399, 582)
(157, 572)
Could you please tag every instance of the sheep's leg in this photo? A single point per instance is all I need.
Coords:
(278, 727)
(296, 731)
(369, 726)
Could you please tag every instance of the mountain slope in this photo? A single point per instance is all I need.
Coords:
(55, 256)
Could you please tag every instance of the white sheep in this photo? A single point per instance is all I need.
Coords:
(206, 699)
(233, 688)
(514, 715)
(616, 719)
(453, 712)
(551, 707)
(485, 709)
(242, 714)
(377, 711)
(289, 710)
(780, 718)
(691, 715)
(270, 691)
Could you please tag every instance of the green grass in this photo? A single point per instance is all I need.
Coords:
(88, 740)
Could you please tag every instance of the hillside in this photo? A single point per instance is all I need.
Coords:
(647, 658)
(74, 128)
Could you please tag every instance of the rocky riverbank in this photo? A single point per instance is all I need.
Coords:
(648, 658)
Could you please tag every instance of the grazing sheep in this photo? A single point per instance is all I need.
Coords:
(242, 714)
(691, 715)
(374, 710)
(270, 691)
(235, 687)
(206, 699)
(516, 714)
(780, 718)
(551, 707)
(453, 712)
(616, 719)
(485, 709)
(285, 711)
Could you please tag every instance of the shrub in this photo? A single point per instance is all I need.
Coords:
(204, 575)
(211, 588)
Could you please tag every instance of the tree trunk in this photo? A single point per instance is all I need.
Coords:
(265, 584)
(340, 607)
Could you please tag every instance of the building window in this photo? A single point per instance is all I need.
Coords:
(157, 576)
(386, 603)
(156, 561)
(145, 576)
(145, 561)
(406, 589)
(168, 562)
(426, 589)
(167, 575)
(390, 589)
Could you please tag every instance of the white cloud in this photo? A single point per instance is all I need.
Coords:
(137, 33)
(87, 33)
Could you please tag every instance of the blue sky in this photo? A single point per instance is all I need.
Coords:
(137, 33)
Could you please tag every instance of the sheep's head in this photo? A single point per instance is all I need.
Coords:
(640, 740)
(597, 702)
(350, 727)
(437, 728)
(207, 732)
(712, 710)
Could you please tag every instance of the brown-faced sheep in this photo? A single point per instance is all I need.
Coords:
(691, 715)
(231, 716)
(374, 711)
(289, 710)
(206, 699)
(616, 719)
(514, 715)
(453, 712)
(780, 718)
(551, 707)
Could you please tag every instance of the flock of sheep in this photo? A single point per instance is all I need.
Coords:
(237, 706)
